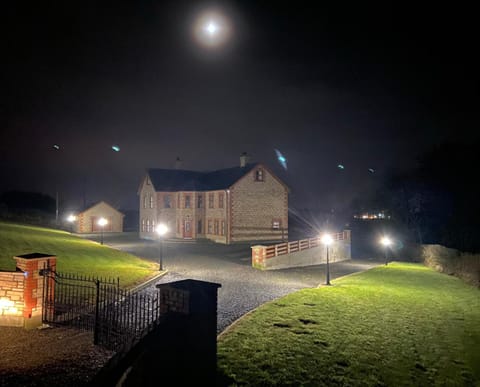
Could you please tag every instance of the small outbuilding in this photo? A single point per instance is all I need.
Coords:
(88, 221)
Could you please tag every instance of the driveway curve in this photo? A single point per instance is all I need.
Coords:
(243, 288)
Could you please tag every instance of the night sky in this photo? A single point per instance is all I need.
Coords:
(365, 87)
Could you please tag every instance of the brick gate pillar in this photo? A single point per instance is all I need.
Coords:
(258, 257)
(30, 265)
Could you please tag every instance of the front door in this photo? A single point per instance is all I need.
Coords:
(187, 229)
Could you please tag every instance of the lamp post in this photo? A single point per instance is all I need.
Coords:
(386, 242)
(161, 230)
(71, 218)
(327, 241)
(102, 222)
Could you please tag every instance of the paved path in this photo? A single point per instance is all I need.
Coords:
(242, 287)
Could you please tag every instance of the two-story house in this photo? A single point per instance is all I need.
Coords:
(244, 203)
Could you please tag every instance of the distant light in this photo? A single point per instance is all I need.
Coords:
(72, 218)
(55, 146)
(371, 170)
(340, 166)
(116, 148)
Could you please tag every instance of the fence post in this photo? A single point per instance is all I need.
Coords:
(97, 313)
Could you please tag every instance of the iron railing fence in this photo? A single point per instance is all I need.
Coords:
(117, 317)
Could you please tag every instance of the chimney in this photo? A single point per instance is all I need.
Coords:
(178, 163)
(243, 159)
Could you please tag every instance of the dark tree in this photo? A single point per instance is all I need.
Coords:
(24, 202)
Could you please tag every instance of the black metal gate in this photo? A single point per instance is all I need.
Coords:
(117, 317)
(72, 299)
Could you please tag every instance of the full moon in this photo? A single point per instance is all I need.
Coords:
(212, 29)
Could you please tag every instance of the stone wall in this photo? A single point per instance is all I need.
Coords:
(255, 205)
(21, 292)
(12, 302)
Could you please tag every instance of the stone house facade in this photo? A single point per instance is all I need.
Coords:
(245, 203)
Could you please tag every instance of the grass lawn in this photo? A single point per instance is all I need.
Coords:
(74, 254)
(396, 325)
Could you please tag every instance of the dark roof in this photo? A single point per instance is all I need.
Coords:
(172, 180)
(35, 255)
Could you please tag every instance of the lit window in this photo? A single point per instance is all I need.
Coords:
(143, 225)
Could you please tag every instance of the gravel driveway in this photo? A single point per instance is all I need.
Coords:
(243, 288)
(60, 356)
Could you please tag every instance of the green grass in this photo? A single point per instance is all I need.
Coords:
(74, 254)
(396, 325)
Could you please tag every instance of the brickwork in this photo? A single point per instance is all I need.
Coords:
(216, 215)
(174, 300)
(256, 205)
(11, 298)
(21, 292)
(254, 208)
(86, 219)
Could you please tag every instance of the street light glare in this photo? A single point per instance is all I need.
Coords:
(102, 222)
(161, 229)
(327, 239)
(386, 241)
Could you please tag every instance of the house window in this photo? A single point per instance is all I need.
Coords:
(151, 201)
(199, 227)
(259, 176)
(210, 200)
(187, 201)
(220, 199)
(148, 225)
(145, 201)
(200, 201)
(143, 225)
(216, 229)
(222, 231)
(167, 201)
(153, 226)
(276, 223)
(210, 226)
